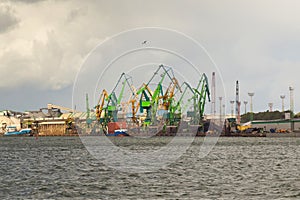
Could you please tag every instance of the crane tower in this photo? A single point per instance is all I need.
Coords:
(213, 94)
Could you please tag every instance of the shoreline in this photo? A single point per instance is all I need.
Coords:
(272, 135)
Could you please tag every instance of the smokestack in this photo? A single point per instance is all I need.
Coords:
(237, 97)
(237, 102)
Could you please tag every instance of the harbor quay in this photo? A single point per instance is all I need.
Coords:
(53, 122)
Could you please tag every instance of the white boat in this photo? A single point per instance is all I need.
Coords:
(12, 130)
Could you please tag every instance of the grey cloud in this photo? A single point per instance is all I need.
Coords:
(47, 67)
(253, 42)
(8, 20)
(76, 13)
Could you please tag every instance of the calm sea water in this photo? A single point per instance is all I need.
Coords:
(237, 168)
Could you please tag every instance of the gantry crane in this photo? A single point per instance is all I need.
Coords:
(168, 97)
(177, 108)
(198, 98)
(100, 105)
(145, 102)
(150, 101)
(135, 105)
(110, 103)
(203, 93)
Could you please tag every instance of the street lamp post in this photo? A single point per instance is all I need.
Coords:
(292, 107)
(251, 94)
(282, 98)
(270, 107)
(232, 107)
(291, 100)
(245, 102)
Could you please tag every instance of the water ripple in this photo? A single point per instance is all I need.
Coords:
(237, 168)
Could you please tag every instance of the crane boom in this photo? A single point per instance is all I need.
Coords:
(113, 101)
(100, 105)
(121, 93)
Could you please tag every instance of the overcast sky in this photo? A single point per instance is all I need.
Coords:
(44, 44)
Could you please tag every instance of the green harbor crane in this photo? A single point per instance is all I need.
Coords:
(108, 105)
(176, 109)
(149, 100)
(201, 93)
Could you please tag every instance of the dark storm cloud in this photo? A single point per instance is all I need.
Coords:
(8, 20)
(255, 42)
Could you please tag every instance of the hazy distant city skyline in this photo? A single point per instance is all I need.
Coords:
(44, 43)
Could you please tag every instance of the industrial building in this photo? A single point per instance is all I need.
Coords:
(9, 118)
(278, 125)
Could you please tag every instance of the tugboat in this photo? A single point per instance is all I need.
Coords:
(12, 131)
(119, 133)
(117, 129)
